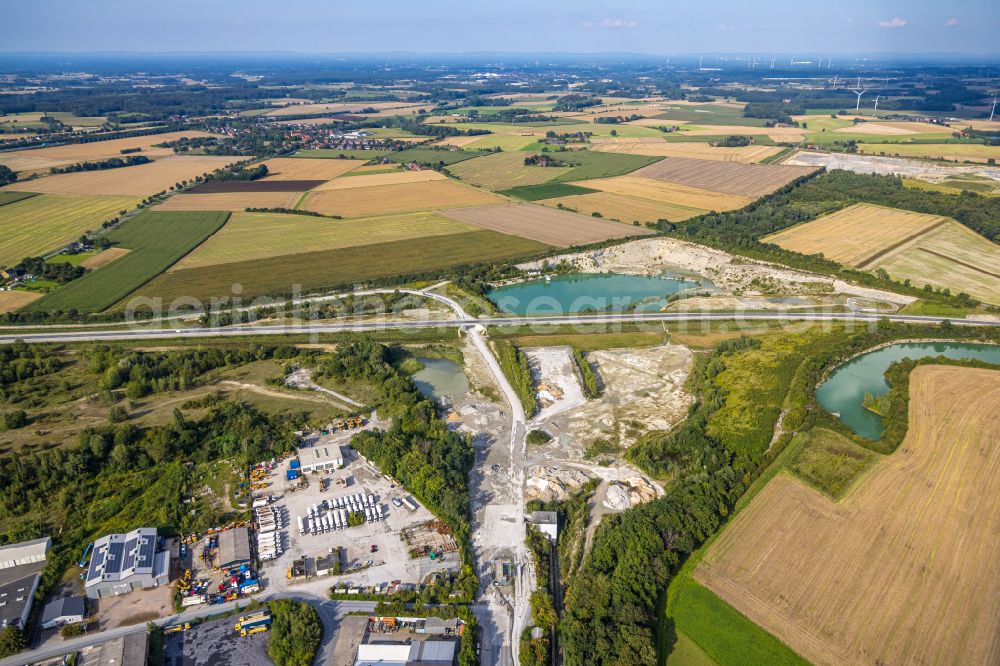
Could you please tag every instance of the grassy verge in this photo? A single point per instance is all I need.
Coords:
(725, 635)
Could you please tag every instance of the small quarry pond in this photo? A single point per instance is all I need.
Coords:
(581, 292)
(843, 392)
(441, 378)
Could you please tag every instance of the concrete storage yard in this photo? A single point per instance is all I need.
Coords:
(214, 643)
(389, 563)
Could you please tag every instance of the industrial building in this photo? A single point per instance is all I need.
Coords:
(425, 653)
(234, 548)
(21, 566)
(121, 563)
(547, 523)
(320, 458)
(64, 610)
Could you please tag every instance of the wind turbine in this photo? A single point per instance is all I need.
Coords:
(993, 110)
(772, 63)
(876, 105)
(859, 92)
(700, 60)
(835, 77)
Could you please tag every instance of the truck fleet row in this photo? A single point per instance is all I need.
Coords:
(332, 514)
(269, 522)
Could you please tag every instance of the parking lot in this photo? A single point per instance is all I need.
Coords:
(215, 643)
(373, 552)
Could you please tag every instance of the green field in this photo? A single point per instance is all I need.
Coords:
(502, 142)
(254, 236)
(726, 636)
(156, 240)
(42, 223)
(333, 153)
(343, 267)
(11, 196)
(828, 461)
(501, 171)
(546, 191)
(431, 156)
(601, 165)
(708, 114)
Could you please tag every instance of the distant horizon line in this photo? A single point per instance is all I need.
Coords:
(656, 54)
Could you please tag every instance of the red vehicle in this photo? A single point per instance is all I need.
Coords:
(374, 548)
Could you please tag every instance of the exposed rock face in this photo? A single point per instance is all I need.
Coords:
(553, 483)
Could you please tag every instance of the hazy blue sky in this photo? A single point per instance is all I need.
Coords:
(651, 26)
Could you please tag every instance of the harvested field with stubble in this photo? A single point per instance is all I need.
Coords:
(694, 149)
(751, 180)
(501, 171)
(343, 267)
(376, 179)
(104, 257)
(971, 152)
(296, 168)
(546, 225)
(42, 159)
(46, 222)
(949, 256)
(855, 235)
(11, 301)
(668, 193)
(231, 201)
(141, 180)
(249, 236)
(624, 208)
(904, 568)
(401, 198)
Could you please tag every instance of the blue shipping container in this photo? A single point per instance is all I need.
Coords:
(293, 474)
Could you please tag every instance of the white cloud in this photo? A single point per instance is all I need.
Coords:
(951, 23)
(894, 22)
(610, 23)
(725, 27)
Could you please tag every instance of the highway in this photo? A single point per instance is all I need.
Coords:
(463, 322)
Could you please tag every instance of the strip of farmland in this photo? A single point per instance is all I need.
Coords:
(141, 180)
(156, 240)
(227, 186)
(750, 180)
(546, 225)
(343, 268)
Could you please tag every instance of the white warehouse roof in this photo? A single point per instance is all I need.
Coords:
(25, 552)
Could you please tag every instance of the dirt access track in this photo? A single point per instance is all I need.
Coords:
(904, 569)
